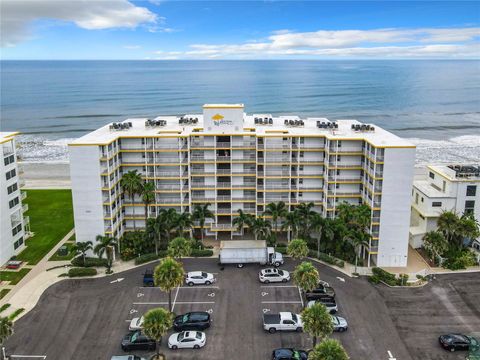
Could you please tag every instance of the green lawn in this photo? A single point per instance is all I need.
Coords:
(13, 276)
(3, 292)
(51, 218)
(56, 257)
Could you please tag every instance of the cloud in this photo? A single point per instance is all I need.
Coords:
(131, 47)
(378, 43)
(19, 15)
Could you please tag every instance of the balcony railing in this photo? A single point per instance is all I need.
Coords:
(244, 144)
(224, 184)
(24, 208)
(246, 184)
(222, 227)
(202, 185)
(23, 195)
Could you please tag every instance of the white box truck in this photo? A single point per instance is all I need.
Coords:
(242, 252)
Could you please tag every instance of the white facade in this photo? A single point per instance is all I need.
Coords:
(442, 188)
(12, 221)
(243, 162)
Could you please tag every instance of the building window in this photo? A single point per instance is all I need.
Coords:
(10, 174)
(12, 188)
(469, 206)
(422, 199)
(444, 186)
(9, 159)
(471, 190)
(432, 175)
(416, 198)
(436, 204)
(12, 203)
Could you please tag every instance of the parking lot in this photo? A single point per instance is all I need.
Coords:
(86, 319)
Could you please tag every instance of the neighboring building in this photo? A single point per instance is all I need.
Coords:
(13, 225)
(441, 188)
(238, 161)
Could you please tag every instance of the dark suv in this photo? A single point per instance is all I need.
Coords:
(320, 292)
(138, 341)
(148, 277)
(289, 354)
(198, 320)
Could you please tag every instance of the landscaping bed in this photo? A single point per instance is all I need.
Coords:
(13, 276)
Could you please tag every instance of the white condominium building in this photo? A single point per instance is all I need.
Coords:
(13, 224)
(443, 188)
(237, 161)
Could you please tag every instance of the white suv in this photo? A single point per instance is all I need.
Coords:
(199, 278)
(273, 275)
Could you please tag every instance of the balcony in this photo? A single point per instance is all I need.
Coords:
(26, 220)
(347, 149)
(201, 145)
(8, 150)
(277, 186)
(224, 145)
(246, 184)
(172, 200)
(24, 208)
(244, 144)
(23, 195)
(222, 227)
(223, 158)
(169, 160)
(244, 197)
(224, 171)
(202, 185)
(243, 159)
(223, 184)
(341, 165)
(224, 211)
(311, 146)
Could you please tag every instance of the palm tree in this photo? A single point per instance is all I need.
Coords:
(276, 211)
(306, 276)
(6, 330)
(305, 213)
(317, 322)
(105, 245)
(156, 323)
(170, 222)
(291, 224)
(328, 349)
(179, 247)
(242, 220)
(297, 248)
(184, 222)
(81, 248)
(200, 214)
(168, 275)
(261, 228)
(317, 225)
(148, 197)
(131, 183)
(358, 240)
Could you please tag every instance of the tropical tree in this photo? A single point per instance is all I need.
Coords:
(276, 211)
(180, 247)
(156, 323)
(131, 182)
(148, 196)
(184, 223)
(261, 228)
(81, 248)
(292, 224)
(106, 245)
(200, 214)
(457, 228)
(317, 226)
(306, 276)
(435, 243)
(328, 349)
(168, 275)
(242, 220)
(297, 248)
(358, 240)
(317, 322)
(6, 330)
(170, 222)
(305, 213)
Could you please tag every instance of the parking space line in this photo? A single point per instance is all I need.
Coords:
(178, 302)
(278, 286)
(199, 287)
(281, 302)
(300, 294)
(175, 299)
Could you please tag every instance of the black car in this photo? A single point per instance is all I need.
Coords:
(148, 278)
(198, 320)
(453, 342)
(137, 341)
(289, 354)
(320, 292)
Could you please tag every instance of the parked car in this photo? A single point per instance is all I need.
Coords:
(329, 303)
(324, 283)
(454, 342)
(14, 264)
(136, 324)
(136, 340)
(319, 292)
(195, 320)
(127, 357)
(339, 324)
(289, 354)
(148, 278)
(199, 278)
(273, 275)
(283, 321)
(187, 340)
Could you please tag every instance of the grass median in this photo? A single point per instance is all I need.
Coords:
(51, 218)
(13, 276)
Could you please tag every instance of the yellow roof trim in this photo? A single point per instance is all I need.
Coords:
(223, 106)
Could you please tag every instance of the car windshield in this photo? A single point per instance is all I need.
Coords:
(199, 335)
(185, 318)
(204, 274)
(294, 317)
(181, 336)
(296, 355)
(335, 320)
(134, 337)
(280, 272)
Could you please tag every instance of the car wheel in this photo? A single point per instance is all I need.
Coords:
(190, 283)
(196, 347)
(277, 264)
(267, 281)
(299, 329)
(341, 329)
(284, 280)
(174, 347)
(272, 330)
(208, 282)
(240, 266)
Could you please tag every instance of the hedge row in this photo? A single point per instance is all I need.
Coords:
(79, 272)
(327, 258)
(388, 278)
(202, 252)
(281, 249)
(89, 262)
(142, 259)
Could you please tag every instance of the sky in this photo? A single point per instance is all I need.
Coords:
(168, 30)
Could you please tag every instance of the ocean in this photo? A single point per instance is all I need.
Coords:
(435, 104)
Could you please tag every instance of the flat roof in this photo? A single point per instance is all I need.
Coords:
(6, 136)
(379, 137)
(450, 174)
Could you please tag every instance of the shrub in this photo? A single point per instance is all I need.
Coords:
(89, 262)
(385, 276)
(402, 280)
(458, 259)
(127, 254)
(201, 253)
(374, 279)
(142, 259)
(327, 258)
(281, 249)
(4, 307)
(79, 272)
(420, 277)
(17, 312)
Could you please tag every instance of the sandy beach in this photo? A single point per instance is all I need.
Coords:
(46, 175)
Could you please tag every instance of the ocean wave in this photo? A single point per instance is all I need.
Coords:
(461, 149)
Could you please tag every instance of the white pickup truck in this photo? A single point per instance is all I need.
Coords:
(284, 321)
